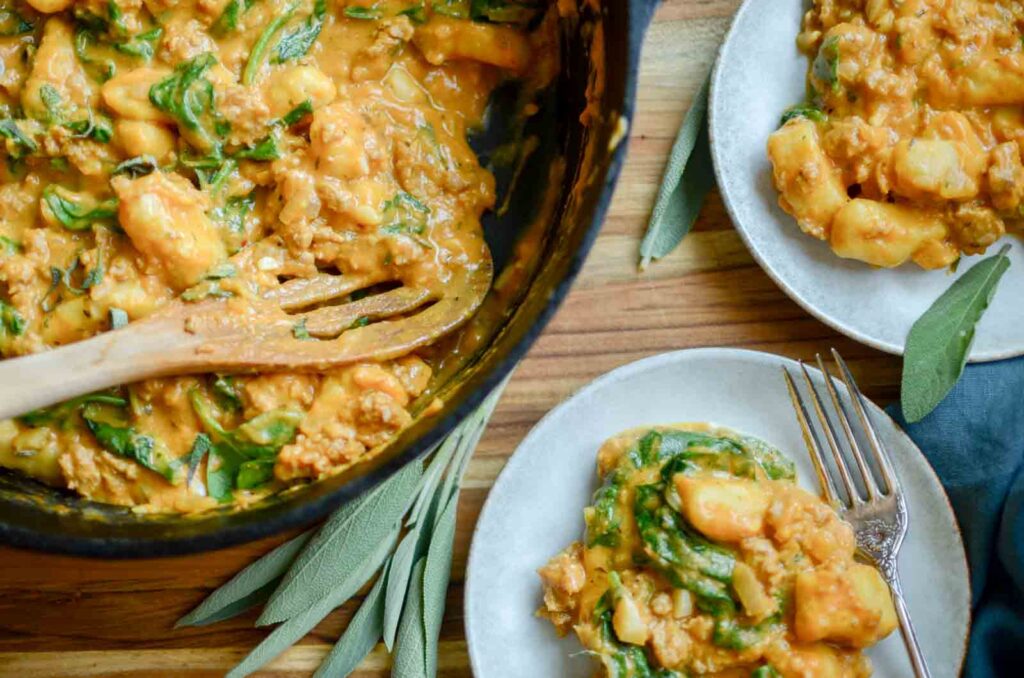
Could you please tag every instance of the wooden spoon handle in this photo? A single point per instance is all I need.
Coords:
(145, 349)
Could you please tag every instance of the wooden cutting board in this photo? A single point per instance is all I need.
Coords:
(63, 616)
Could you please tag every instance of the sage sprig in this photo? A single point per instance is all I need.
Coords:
(688, 178)
(303, 580)
(940, 341)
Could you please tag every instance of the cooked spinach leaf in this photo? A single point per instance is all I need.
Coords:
(8, 246)
(684, 558)
(95, 127)
(72, 214)
(11, 322)
(123, 440)
(190, 98)
(231, 218)
(298, 41)
(228, 19)
(265, 149)
(803, 111)
(365, 13)
(23, 143)
(61, 414)
(502, 11)
(417, 13)
(826, 65)
(13, 23)
(296, 114)
(139, 166)
(226, 393)
(209, 286)
(258, 54)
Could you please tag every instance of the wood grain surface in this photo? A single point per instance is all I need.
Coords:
(63, 616)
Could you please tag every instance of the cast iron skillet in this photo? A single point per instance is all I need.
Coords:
(35, 516)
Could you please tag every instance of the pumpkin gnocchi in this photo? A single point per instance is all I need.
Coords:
(910, 147)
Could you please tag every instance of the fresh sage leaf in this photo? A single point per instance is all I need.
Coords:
(360, 636)
(345, 541)
(688, 178)
(267, 570)
(410, 656)
(288, 633)
(436, 574)
(940, 340)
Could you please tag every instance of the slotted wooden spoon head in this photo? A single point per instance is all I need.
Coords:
(296, 326)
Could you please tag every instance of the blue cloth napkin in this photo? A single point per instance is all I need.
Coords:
(975, 442)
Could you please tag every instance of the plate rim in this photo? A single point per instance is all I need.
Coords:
(712, 352)
(718, 164)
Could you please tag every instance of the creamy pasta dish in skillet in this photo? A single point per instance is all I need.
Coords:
(909, 148)
(159, 151)
(703, 557)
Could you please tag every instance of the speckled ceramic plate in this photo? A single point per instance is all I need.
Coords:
(759, 74)
(536, 509)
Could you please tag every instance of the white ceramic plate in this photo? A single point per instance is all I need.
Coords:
(536, 509)
(759, 74)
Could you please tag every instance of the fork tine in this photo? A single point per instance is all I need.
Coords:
(880, 454)
(811, 440)
(853, 496)
(867, 477)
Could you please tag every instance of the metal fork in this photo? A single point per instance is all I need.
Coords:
(879, 519)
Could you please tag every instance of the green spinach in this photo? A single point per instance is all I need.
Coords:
(73, 214)
(297, 42)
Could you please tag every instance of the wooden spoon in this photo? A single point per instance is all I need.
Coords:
(250, 335)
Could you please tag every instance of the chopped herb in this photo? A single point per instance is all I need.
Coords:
(231, 217)
(227, 394)
(59, 164)
(361, 321)
(139, 166)
(408, 200)
(298, 113)
(299, 330)
(123, 440)
(826, 64)
(457, 9)
(61, 414)
(74, 216)
(299, 41)
(8, 246)
(408, 229)
(12, 23)
(803, 111)
(201, 447)
(265, 149)
(190, 98)
(253, 473)
(209, 286)
(417, 13)
(97, 128)
(228, 19)
(11, 322)
(141, 45)
(365, 13)
(10, 129)
(500, 11)
(118, 318)
(258, 54)
(51, 99)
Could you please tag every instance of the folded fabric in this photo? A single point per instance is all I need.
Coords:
(975, 442)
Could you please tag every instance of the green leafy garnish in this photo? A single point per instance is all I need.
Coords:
(265, 149)
(23, 143)
(228, 19)
(11, 322)
(257, 440)
(504, 11)
(766, 671)
(803, 111)
(8, 246)
(296, 114)
(139, 166)
(939, 342)
(60, 415)
(417, 13)
(97, 128)
(226, 393)
(299, 330)
(259, 51)
(826, 65)
(209, 286)
(365, 13)
(300, 40)
(141, 45)
(115, 436)
(72, 213)
(12, 23)
(231, 218)
(190, 99)
(51, 99)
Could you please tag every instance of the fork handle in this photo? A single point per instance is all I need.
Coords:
(908, 633)
(145, 349)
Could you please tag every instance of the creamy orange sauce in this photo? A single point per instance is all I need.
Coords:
(910, 146)
(167, 150)
(702, 557)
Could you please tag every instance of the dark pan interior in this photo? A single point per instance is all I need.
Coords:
(35, 516)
